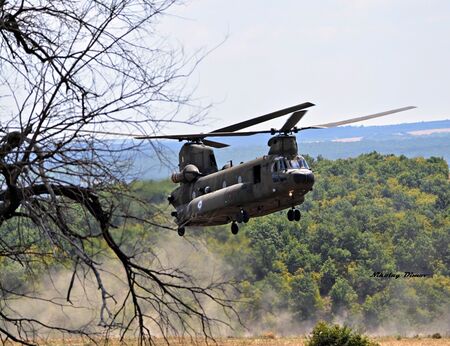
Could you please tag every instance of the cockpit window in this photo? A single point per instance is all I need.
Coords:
(298, 163)
(282, 164)
(295, 164)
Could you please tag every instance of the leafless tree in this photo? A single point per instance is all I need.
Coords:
(72, 71)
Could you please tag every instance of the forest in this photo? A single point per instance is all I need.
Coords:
(368, 221)
(371, 214)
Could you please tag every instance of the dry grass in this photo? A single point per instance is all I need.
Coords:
(413, 341)
(266, 340)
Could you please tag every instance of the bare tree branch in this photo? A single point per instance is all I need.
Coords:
(73, 72)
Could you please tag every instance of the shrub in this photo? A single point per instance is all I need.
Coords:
(436, 336)
(327, 335)
(268, 335)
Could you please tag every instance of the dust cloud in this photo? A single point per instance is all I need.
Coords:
(48, 302)
(46, 299)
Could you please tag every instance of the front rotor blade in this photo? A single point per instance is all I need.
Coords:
(366, 117)
(214, 144)
(201, 136)
(292, 121)
(263, 118)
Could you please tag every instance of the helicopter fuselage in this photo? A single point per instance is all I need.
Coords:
(258, 187)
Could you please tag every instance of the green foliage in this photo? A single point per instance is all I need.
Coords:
(334, 335)
(374, 213)
(342, 295)
(153, 191)
(305, 296)
(329, 274)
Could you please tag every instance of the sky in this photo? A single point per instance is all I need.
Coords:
(349, 57)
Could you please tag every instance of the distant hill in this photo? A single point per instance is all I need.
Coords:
(430, 138)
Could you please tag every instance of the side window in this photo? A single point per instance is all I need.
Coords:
(257, 174)
(276, 168)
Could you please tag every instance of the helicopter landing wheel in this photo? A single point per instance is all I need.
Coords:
(181, 231)
(245, 216)
(240, 217)
(234, 228)
(290, 214)
(297, 215)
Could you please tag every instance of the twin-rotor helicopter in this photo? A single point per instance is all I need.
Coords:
(279, 180)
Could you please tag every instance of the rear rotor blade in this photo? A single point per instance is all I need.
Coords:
(311, 127)
(214, 144)
(292, 121)
(263, 118)
(366, 117)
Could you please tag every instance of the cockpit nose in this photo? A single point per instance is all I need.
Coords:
(305, 178)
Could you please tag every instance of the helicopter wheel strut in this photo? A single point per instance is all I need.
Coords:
(181, 231)
(234, 227)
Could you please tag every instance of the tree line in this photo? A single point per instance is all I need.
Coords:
(368, 221)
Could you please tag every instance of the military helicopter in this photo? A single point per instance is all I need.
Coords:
(279, 180)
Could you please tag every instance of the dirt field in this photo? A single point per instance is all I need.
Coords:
(301, 342)
(386, 341)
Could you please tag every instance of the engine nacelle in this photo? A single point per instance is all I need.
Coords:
(187, 175)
